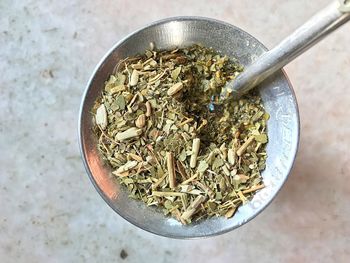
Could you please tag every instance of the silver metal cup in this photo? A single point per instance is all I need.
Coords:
(277, 95)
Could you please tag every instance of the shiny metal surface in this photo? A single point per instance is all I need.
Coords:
(277, 95)
(314, 30)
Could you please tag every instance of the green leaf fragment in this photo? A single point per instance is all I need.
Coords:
(175, 73)
(262, 138)
(202, 167)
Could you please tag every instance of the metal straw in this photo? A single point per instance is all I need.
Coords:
(314, 30)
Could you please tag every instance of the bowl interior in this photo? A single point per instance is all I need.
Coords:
(278, 99)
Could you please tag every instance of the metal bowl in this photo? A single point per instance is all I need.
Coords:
(277, 95)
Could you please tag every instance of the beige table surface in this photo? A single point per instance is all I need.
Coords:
(49, 210)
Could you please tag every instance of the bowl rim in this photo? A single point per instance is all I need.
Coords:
(80, 130)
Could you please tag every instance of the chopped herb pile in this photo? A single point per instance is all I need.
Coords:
(171, 142)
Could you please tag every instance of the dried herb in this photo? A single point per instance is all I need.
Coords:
(158, 130)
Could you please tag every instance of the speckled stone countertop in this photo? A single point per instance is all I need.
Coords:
(49, 210)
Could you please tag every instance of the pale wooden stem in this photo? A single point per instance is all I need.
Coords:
(128, 134)
(244, 146)
(191, 210)
(171, 169)
(148, 109)
(195, 150)
(253, 189)
(160, 194)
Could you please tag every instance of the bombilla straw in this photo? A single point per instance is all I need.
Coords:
(314, 30)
